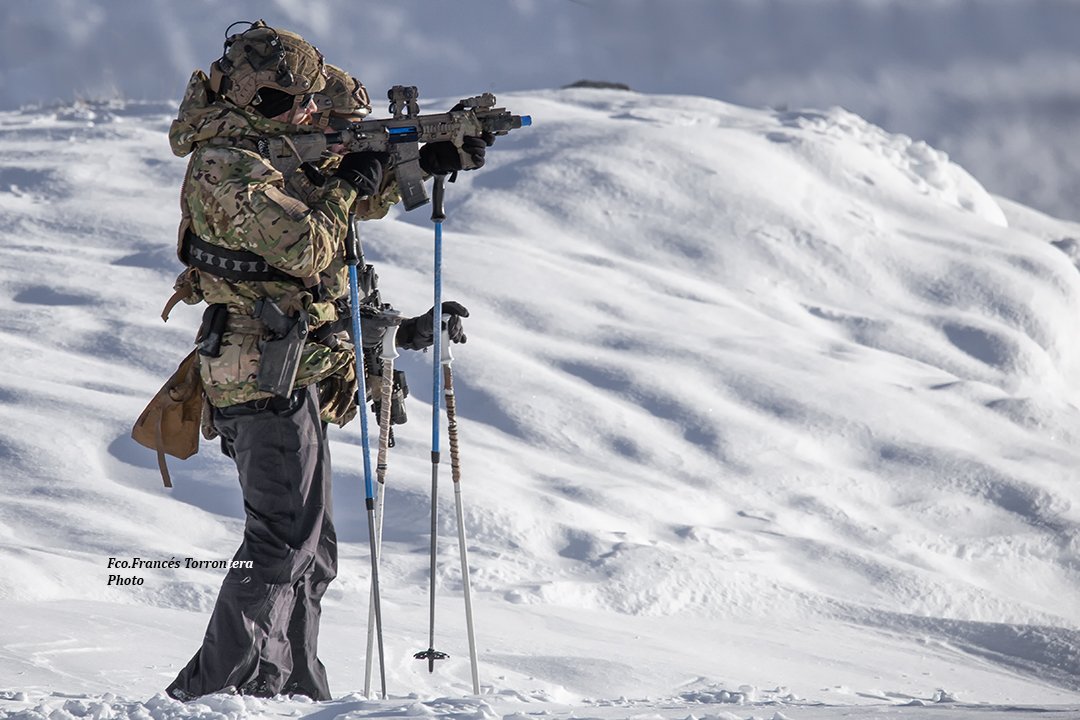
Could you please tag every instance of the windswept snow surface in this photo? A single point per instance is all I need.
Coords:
(763, 413)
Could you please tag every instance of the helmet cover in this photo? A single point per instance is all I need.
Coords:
(344, 95)
(264, 57)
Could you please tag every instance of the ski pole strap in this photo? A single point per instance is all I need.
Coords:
(353, 251)
(451, 425)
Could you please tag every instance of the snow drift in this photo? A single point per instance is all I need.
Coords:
(751, 397)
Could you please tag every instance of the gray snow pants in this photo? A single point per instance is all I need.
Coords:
(263, 634)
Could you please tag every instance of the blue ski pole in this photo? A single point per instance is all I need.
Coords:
(352, 257)
(437, 217)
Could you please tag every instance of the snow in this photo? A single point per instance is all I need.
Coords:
(764, 413)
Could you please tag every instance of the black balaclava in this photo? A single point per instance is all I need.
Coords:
(273, 102)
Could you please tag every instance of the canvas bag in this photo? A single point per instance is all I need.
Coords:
(171, 422)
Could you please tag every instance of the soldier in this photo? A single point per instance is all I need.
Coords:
(255, 237)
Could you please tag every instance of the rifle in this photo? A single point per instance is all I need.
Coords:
(400, 136)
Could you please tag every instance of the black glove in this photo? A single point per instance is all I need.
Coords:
(443, 158)
(440, 158)
(416, 333)
(363, 170)
(476, 147)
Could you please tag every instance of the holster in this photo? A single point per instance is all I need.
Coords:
(280, 359)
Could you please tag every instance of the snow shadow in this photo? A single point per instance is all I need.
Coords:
(10, 456)
(43, 295)
(159, 256)
(985, 347)
(695, 429)
(204, 480)
(24, 179)
(1051, 654)
(1071, 248)
(1030, 504)
(1061, 422)
(475, 401)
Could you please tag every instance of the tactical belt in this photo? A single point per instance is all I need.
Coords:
(243, 324)
(323, 334)
(238, 265)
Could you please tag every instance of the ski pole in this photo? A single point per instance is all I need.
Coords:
(389, 353)
(352, 253)
(437, 217)
(455, 474)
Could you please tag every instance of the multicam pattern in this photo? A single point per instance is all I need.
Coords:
(254, 63)
(236, 199)
(344, 95)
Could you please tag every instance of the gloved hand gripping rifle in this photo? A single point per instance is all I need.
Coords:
(400, 136)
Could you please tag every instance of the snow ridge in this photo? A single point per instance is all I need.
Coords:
(760, 397)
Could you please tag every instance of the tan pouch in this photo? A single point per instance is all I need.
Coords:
(171, 422)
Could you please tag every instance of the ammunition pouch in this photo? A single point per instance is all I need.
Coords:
(214, 321)
(171, 422)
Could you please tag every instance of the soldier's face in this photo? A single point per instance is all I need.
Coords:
(301, 115)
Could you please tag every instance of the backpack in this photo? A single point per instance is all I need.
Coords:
(172, 420)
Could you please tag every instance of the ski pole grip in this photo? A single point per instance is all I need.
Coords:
(352, 243)
(437, 192)
(444, 350)
(389, 341)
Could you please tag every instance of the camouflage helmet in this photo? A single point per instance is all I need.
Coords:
(265, 57)
(343, 96)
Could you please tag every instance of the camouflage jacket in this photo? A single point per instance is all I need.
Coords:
(235, 199)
